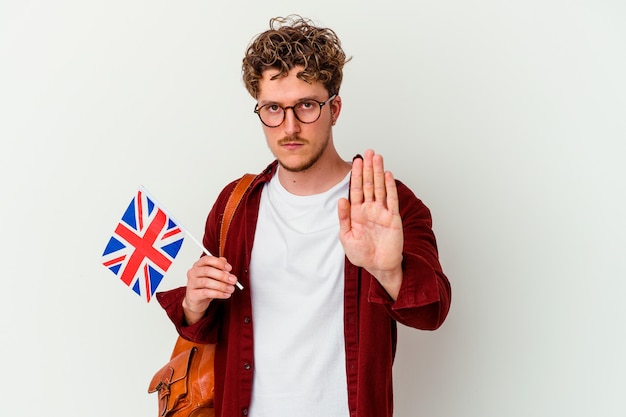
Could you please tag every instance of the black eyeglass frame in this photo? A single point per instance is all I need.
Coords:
(257, 110)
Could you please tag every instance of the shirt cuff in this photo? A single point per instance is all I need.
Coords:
(172, 303)
(419, 286)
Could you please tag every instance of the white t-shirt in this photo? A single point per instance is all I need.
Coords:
(296, 284)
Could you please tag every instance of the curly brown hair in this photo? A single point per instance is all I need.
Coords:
(290, 42)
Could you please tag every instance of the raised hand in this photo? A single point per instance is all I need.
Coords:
(370, 227)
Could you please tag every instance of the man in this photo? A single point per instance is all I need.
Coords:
(331, 254)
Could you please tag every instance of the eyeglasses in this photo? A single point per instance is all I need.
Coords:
(306, 111)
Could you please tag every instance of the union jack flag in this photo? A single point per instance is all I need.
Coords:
(143, 246)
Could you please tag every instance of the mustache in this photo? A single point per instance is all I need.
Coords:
(292, 139)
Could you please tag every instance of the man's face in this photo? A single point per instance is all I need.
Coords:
(297, 146)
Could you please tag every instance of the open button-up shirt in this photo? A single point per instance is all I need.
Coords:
(370, 314)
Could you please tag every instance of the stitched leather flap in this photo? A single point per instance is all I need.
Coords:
(173, 371)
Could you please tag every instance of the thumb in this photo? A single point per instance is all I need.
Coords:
(343, 210)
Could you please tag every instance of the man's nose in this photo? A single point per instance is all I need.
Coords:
(291, 123)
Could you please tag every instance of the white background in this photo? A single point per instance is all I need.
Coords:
(506, 117)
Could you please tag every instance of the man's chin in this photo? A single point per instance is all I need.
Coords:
(296, 164)
(294, 167)
(300, 161)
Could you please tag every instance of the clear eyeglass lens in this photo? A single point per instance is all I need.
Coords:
(308, 111)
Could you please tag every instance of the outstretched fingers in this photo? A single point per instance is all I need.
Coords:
(391, 190)
(380, 189)
(368, 176)
(369, 183)
(356, 181)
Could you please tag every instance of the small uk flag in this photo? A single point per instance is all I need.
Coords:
(143, 246)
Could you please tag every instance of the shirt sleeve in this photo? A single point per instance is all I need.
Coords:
(202, 331)
(425, 294)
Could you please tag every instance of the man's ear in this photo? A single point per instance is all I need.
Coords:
(335, 109)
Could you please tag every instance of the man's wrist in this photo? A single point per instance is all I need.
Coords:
(391, 281)
(192, 316)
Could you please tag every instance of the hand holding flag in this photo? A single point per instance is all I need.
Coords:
(144, 245)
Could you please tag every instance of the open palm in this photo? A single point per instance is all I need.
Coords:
(370, 223)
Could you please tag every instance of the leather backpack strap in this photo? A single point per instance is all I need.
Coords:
(231, 206)
(186, 383)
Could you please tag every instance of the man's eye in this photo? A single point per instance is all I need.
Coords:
(273, 108)
(306, 105)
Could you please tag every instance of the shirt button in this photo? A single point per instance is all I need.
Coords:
(246, 320)
(247, 366)
(244, 412)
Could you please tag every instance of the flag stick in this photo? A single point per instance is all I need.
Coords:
(143, 189)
